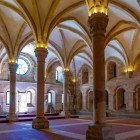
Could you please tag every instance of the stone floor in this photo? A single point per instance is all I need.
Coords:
(68, 129)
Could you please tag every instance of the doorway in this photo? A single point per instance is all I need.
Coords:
(22, 102)
(120, 99)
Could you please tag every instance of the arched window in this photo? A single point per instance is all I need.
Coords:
(22, 67)
(62, 98)
(111, 70)
(7, 97)
(59, 74)
(29, 97)
(49, 98)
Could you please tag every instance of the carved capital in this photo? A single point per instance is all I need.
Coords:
(13, 67)
(41, 53)
(98, 23)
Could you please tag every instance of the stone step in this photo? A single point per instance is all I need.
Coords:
(30, 115)
(23, 119)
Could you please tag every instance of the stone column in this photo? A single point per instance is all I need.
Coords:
(65, 111)
(84, 89)
(12, 109)
(40, 121)
(99, 130)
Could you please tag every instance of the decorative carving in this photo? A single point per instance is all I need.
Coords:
(98, 23)
(13, 67)
(41, 53)
(97, 6)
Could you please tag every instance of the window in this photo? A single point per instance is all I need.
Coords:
(7, 97)
(29, 97)
(59, 74)
(49, 97)
(22, 67)
(85, 76)
(111, 70)
(62, 98)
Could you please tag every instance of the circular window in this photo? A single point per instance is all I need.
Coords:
(22, 67)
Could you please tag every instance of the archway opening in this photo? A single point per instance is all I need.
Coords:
(120, 99)
(27, 101)
(50, 102)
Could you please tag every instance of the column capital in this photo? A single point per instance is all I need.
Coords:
(98, 23)
(97, 6)
(13, 66)
(41, 53)
(66, 71)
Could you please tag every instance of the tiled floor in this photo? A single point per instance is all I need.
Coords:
(68, 129)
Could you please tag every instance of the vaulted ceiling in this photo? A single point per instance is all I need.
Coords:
(63, 24)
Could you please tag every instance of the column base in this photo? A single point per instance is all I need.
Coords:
(40, 123)
(65, 113)
(100, 132)
(12, 117)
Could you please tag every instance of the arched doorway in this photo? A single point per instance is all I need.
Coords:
(50, 102)
(27, 101)
(120, 98)
(31, 100)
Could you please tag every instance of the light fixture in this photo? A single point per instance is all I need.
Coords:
(129, 70)
(41, 45)
(66, 69)
(97, 6)
(12, 60)
(73, 80)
